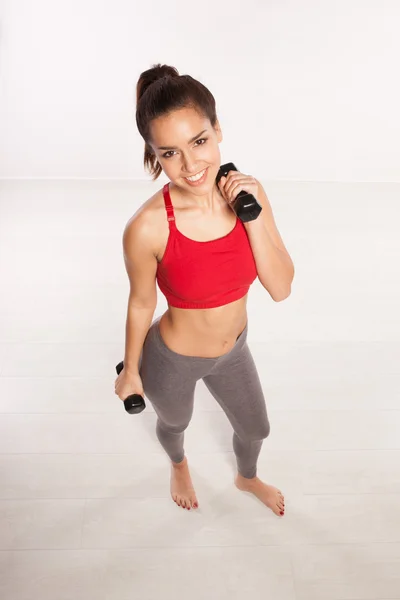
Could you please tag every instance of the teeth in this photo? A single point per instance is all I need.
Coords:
(196, 177)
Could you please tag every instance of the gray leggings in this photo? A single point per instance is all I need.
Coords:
(169, 381)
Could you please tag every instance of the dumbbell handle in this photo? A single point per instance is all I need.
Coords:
(134, 403)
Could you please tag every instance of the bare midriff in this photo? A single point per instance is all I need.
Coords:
(206, 333)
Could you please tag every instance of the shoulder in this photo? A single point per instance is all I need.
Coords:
(148, 223)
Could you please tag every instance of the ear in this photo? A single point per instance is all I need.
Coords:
(218, 131)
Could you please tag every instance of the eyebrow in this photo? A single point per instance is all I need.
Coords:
(190, 141)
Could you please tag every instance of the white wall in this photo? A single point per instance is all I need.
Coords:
(319, 81)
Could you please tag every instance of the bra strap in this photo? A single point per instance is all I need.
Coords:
(168, 206)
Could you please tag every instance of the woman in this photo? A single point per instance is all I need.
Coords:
(188, 239)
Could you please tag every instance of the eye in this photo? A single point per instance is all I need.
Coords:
(169, 155)
(202, 140)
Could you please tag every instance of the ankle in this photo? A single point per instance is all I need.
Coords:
(246, 480)
(179, 465)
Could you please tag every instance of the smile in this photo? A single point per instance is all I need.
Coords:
(199, 178)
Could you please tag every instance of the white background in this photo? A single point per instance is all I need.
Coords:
(305, 91)
(307, 94)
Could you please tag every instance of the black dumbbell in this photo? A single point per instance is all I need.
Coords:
(134, 403)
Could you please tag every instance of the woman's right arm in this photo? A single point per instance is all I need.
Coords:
(141, 266)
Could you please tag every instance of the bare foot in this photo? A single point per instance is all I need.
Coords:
(268, 494)
(182, 491)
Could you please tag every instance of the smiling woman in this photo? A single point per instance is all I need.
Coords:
(187, 239)
(161, 90)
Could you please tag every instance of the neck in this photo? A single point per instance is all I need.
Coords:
(207, 201)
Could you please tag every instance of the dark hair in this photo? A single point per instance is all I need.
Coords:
(161, 90)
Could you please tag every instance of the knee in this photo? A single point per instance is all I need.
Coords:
(260, 431)
(172, 428)
(265, 428)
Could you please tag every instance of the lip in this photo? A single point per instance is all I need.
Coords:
(200, 181)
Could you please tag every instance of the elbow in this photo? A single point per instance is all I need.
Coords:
(282, 295)
(276, 294)
(281, 287)
(142, 303)
(286, 290)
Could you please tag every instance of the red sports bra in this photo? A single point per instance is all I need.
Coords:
(207, 274)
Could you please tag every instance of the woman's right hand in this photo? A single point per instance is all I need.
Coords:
(127, 384)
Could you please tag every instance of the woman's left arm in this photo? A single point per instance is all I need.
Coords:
(274, 266)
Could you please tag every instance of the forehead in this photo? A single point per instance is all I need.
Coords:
(177, 127)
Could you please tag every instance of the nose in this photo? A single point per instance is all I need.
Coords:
(189, 165)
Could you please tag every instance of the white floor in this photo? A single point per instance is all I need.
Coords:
(85, 511)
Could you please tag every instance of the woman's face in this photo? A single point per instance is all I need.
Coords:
(182, 156)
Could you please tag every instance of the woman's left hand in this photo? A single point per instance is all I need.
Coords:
(231, 185)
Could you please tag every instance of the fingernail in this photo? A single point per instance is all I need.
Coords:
(282, 513)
